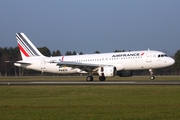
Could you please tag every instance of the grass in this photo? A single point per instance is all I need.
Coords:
(89, 102)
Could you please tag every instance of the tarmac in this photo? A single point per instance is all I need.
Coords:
(135, 82)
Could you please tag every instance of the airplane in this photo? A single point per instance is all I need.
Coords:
(105, 64)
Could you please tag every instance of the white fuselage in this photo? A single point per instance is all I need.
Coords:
(137, 60)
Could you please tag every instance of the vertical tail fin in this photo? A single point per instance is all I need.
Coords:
(26, 47)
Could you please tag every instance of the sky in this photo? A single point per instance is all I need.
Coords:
(89, 25)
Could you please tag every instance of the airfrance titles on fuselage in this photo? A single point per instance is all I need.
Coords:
(128, 55)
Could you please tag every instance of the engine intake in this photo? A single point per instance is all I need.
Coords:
(107, 71)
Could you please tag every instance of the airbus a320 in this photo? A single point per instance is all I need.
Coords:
(105, 64)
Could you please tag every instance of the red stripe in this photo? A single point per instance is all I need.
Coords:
(63, 58)
(22, 50)
(142, 54)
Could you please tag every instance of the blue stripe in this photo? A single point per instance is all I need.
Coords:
(27, 45)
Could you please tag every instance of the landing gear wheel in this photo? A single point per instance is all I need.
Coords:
(152, 77)
(89, 78)
(102, 78)
(151, 73)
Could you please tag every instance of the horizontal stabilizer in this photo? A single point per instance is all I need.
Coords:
(24, 62)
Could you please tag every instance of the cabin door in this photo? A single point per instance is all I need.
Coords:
(43, 66)
(149, 57)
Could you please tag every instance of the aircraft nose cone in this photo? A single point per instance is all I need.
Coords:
(171, 61)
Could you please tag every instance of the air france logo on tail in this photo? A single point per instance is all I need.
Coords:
(23, 51)
(27, 49)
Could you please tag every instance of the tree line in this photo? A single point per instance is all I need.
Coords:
(8, 56)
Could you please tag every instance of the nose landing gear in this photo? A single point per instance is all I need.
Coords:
(151, 74)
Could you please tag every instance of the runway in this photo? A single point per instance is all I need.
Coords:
(154, 82)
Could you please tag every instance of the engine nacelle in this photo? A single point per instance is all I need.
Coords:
(107, 71)
(125, 73)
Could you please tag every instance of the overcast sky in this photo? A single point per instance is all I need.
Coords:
(90, 25)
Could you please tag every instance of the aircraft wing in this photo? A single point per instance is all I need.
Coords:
(82, 66)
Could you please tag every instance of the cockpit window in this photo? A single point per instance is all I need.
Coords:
(162, 55)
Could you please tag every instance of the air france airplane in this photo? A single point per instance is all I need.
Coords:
(105, 64)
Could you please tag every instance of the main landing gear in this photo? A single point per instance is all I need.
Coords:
(151, 74)
(102, 78)
(90, 78)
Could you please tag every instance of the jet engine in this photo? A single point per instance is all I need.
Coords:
(107, 71)
(128, 73)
